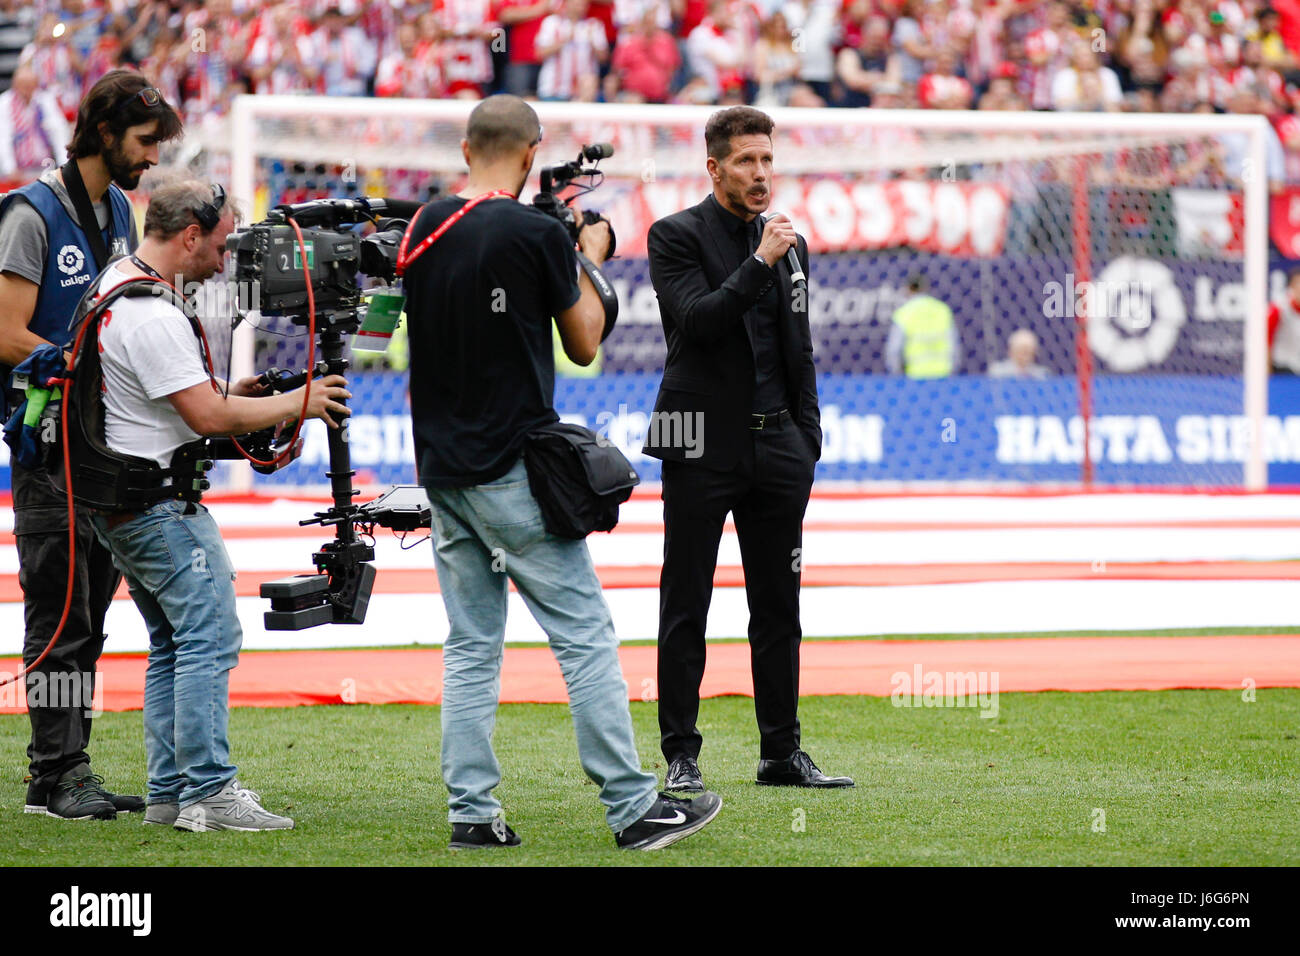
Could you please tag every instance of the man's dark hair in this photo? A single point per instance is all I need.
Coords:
(115, 100)
(501, 125)
(737, 121)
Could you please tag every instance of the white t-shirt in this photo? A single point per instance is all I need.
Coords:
(148, 351)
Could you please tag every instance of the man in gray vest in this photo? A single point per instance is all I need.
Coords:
(49, 254)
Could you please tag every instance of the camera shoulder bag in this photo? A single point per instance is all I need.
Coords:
(578, 479)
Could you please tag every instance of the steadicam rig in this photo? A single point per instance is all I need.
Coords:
(305, 260)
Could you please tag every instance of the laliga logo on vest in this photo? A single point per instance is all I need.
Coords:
(1134, 310)
(71, 260)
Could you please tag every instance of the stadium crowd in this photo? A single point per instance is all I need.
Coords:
(1143, 55)
(1239, 56)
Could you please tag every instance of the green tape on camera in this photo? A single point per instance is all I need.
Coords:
(381, 320)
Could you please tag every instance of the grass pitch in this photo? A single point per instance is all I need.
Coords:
(1140, 778)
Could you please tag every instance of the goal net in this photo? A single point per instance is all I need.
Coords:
(1092, 288)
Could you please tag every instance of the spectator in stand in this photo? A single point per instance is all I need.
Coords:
(105, 56)
(816, 23)
(854, 20)
(1022, 350)
(942, 88)
(408, 71)
(1284, 328)
(1086, 85)
(467, 27)
(1245, 102)
(644, 62)
(1046, 51)
(343, 59)
(776, 65)
(56, 63)
(911, 44)
(1273, 47)
(276, 61)
(572, 47)
(714, 52)
(164, 62)
(33, 132)
(216, 46)
(84, 24)
(1002, 93)
(688, 14)
(871, 62)
(524, 19)
(1252, 71)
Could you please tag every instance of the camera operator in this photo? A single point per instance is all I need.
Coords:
(56, 234)
(158, 396)
(480, 303)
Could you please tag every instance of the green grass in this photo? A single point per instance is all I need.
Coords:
(1183, 777)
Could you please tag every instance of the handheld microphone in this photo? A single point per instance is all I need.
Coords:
(791, 262)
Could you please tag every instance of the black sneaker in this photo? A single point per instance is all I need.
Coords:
(474, 836)
(79, 795)
(37, 799)
(669, 820)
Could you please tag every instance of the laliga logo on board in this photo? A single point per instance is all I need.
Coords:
(71, 260)
(1134, 311)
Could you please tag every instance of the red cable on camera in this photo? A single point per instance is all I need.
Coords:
(311, 361)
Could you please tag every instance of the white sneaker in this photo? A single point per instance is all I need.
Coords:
(231, 808)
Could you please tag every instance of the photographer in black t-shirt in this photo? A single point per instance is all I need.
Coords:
(480, 298)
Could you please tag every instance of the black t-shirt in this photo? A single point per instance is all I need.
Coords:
(479, 304)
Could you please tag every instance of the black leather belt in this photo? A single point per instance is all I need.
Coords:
(758, 422)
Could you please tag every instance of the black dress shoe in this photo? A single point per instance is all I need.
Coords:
(684, 776)
(797, 770)
(125, 803)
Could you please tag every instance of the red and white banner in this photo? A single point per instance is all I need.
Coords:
(1284, 221)
(959, 218)
(1209, 221)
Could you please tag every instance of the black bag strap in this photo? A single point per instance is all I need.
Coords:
(76, 187)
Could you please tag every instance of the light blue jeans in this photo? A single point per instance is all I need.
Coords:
(181, 580)
(484, 536)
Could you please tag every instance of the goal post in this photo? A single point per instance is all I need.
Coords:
(1146, 232)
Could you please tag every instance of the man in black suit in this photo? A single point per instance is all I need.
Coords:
(737, 426)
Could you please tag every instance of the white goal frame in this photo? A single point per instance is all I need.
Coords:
(1001, 131)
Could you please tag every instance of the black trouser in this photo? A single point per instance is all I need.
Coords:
(767, 494)
(60, 725)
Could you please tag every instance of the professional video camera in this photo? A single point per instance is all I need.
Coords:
(268, 253)
(563, 174)
(271, 254)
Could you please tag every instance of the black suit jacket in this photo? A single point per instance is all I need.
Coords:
(706, 303)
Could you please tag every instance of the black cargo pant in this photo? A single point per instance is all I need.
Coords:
(60, 721)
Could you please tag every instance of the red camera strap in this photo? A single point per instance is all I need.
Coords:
(403, 261)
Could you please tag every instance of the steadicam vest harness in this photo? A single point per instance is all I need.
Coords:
(103, 479)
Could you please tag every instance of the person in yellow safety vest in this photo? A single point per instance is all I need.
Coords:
(923, 341)
(566, 367)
